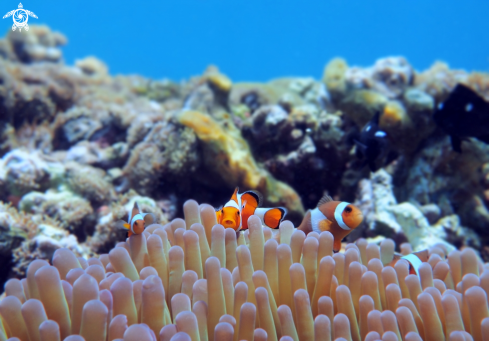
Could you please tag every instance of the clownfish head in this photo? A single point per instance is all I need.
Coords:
(352, 216)
(230, 217)
(138, 226)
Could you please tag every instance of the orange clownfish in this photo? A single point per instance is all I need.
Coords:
(236, 211)
(137, 221)
(337, 217)
(414, 260)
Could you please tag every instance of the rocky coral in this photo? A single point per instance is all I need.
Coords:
(89, 182)
(228, 154)
(209, 93)
(450, 180)
(36, 45)
(168, 151)
(73, 212)
(389, 76)
(409, 221)
(106, 234)
(49, 221)
(78, 146)
(26, 237)
(16, 227)
(22, 171)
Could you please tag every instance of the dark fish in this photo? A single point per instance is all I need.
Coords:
(251, 100)
(373, 144)
(464, 114)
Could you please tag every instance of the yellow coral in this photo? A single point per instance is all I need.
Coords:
(334, 75)
(361, 105)
(393, 116)
(219, 80)
(229, 154)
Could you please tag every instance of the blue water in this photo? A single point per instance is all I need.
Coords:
(263, 39)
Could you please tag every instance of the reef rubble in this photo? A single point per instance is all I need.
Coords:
(78, 146)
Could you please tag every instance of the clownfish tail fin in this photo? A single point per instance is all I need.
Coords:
(253, 196)
(259, 197)
(135, 209)
(273, 217)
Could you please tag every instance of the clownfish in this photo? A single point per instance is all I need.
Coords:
(414, 260)
(236, 212)
(136, 221)
(337, 217)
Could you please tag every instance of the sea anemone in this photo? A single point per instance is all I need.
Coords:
(191, 279)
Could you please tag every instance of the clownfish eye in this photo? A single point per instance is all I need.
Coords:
(238, 212)
(222, 211)
(348, 209)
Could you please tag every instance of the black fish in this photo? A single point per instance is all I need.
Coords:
(464, 114)
(373, 144)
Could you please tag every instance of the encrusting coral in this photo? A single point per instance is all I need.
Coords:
(229, 155)
(191, 279)
(78, 145)
(423, 225)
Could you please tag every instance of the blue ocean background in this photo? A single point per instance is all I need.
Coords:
(263, 39)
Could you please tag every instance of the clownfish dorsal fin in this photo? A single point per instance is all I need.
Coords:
(135, 209)
(423, 255)
(235, 195)
(325, 199)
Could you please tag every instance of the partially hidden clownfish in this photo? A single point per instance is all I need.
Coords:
(236, 212)
(136, 221)
(414, 260)
(337, 217)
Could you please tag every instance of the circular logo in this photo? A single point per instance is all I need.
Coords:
(20, 17)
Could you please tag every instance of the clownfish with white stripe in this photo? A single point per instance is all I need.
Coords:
(337, 217)
(414, 260)
(236, 212)
(136, 221)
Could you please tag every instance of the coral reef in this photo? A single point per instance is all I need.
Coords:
(26, 237)
(37, 45)
(78, 146)
(407, 221)
(192, 280)
(229, 156)
(107, 235)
